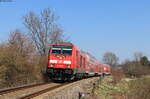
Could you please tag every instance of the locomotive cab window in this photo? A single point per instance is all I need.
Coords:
(66, 51)
(62, 50)
(56, 51)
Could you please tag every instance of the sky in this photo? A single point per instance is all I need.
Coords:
(96, 26)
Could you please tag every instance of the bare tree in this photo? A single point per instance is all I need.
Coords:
(43, 29)
(134, 68)
(57, 35)
(110, 58)
(20, 42)
(138, 56)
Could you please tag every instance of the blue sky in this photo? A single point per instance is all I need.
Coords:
(96, 26)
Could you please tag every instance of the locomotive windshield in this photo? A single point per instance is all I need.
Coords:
(66, 51)
(56, 51)
(62, 50)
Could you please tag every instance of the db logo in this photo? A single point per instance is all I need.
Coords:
(60, 61)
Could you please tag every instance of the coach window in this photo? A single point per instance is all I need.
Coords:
(77, 58)
(84, 62)
(80, 61)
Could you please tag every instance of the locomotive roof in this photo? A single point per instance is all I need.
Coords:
(63, 44)
(106, 65)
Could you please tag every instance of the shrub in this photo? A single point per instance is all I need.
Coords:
(135, 69)
(19, 62)
(117, 74)
(139, 89)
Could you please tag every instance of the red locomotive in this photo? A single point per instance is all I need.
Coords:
(66, 62)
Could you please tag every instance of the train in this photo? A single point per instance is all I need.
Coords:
(66, 62)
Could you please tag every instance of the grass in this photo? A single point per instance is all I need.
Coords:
(132, 89)
(139, 88)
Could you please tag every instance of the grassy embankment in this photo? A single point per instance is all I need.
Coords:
(126, 89)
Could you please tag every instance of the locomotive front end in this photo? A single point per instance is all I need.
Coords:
(60, 62)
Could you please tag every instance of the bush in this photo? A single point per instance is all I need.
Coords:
(117, 74)
(135, 69)
(15, 68)
(19, 62)
(139, 89)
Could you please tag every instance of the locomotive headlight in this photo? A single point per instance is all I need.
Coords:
(105, 68)
(68, 66)
(51, 65)
(67, 62)
(53, 61)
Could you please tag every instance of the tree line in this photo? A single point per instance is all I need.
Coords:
(137, 67)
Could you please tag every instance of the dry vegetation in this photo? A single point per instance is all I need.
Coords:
(131, 89)
(117, 74)
(19, 64)
(135, 69)
(131, 81)
(139, 89)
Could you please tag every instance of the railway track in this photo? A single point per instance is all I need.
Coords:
(24, 91)
(5, 91)
(36, 91)
(53, 90)
(43, 91)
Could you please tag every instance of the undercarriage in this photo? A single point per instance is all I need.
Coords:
(60, 74)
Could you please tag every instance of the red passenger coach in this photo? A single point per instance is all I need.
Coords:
(106, 69)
